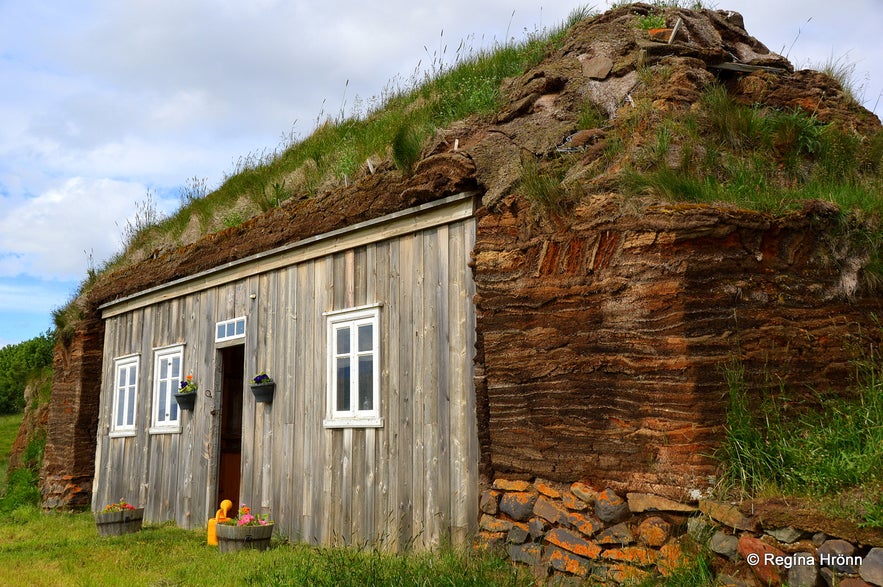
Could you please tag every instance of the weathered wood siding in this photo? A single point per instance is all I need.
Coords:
(413, 481)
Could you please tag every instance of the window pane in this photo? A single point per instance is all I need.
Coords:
(343, 340)
(366, 337)
(176, 367)
(120, 406)
(240, 327)
(174, 411)
(366, 382)
(121, 374)
(343, 384)
(163, 369)
(231, 329)
(133, 374)
(130, 415)
(163, 402)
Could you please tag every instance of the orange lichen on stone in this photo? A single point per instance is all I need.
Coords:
(547, 490)
(550, 511)
(492, 524)
(564, 561)
(506, 485)
(671, 558)
(585, 524)
(583, 492)
(654, 532)
(625, 574)
(488, 539)
(570, 541)
(636, 555)
(572, 502)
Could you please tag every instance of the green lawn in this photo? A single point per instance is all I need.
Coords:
(64, 549)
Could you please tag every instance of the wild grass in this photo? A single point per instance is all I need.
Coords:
(750, 156)
(541, 185)
(8, 431)
(816, 446)
(64, 549)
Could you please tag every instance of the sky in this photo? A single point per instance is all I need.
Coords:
(106, 104)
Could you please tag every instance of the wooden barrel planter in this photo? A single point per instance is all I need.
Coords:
(236, 538)
(118, 523)
(185, 401)
(263, 392)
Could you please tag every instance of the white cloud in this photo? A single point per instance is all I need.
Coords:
(52, 235)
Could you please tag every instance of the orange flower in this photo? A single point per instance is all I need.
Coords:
(189, 378)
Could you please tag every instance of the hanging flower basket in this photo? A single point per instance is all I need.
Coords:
(186, 396)
(119, 518)
(186, 401)
(263, 388)
(236, 538)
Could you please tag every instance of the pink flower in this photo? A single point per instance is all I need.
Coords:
(243, 520)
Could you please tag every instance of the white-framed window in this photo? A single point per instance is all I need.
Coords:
(230, 329)
(125, 396)
(167, 375)
(353, 351)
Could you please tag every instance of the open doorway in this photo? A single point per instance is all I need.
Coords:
(232, 360)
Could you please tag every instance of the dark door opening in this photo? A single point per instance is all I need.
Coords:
(233, 376)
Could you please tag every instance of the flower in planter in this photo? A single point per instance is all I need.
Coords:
(120, 506)
(188, 386)
(246, 518)
(261, 378)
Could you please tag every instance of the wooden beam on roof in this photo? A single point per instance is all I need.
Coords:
(746, 68)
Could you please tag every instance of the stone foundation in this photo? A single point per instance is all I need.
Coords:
(574, 530)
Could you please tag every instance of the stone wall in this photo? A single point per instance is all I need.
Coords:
(603, 538)
(603, 334)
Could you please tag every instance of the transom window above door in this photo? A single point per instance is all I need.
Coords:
(230, 329)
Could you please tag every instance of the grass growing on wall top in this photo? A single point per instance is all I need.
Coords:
(764, 159)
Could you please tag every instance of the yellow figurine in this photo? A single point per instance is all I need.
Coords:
(220, 516)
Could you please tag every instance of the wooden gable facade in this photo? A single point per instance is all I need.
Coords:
(405, 475)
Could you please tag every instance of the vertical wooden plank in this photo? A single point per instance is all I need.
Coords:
(207, 316)
(387, 289)
(458, 355)
(349, 483)
(249, 469)
(405, 470)
(442, 463)
(418, 333)
(343, 493)
(325, 301)
(308, 468)
(265, 352)
(373, 496)
(472, 455)
(105, 416)
(428, 354)
(281, 455)
(145, 404)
